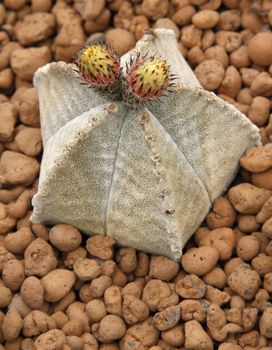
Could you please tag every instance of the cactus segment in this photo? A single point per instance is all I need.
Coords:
(98, 65)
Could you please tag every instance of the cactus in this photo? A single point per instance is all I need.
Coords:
(145, 175)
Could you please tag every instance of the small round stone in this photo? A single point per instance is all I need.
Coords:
(65, 237)
(260, 49)
(200, 261)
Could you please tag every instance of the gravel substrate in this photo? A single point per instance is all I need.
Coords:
(60, 290)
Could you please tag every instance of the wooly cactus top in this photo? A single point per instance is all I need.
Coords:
(142, 158)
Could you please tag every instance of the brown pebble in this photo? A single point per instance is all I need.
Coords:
(39, 258)
(266, 212)
(32, 292)
(99, 285)
(113, 300)
(196, 338)
(210, 73)
(231, 83)
(73, 327)
(257, 159)
(174, 336)
(71, 257)
(69, 39)
(228, 39)
(205, 19)
(163, 268)
(262, 264)
(142, 335)
(5, 256)
(87, 269)
(248, 75)
(183, 15)
(195, 56)
(101, 247)
(3, 14)
(244, 281)
(41, 5)
(155, 9)
(262, 85)
(134, 288)
(110, 328)
(8, 116)
(96, 310)
(34, 28)
(20, 59)
(134, 309)
(29, 141)
(230, 20)
(53, 339)
(259, 110)
(65, 237)
(248, 199)
(222, 239)
(265, 323)
(248, 247)
(127, 259)
(17, 168)
(60, 319)
(222, 214)
(191, 287)
(247, 223)
(119, 278)
(231, 265)
(37, 322)
(12, 324)
(90, 9)
(26, 100)
(13, 274)
(260, 49)
(217, 53)
(263, 180)
(142, 264)
(15, 4)
(17, 242)
(199, 261)
(216, 278)
(191, 36)
(57, 283)
(239, 57)
(167, 318)
(120, 39)
(5, 296)
(154, 292)
(6, 79)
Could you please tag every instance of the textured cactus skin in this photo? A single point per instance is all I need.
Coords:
(145, 176)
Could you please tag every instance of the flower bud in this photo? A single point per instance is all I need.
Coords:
(148, 78)
(98, 65)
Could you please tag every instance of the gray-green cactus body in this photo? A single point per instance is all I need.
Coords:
(145, 176)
